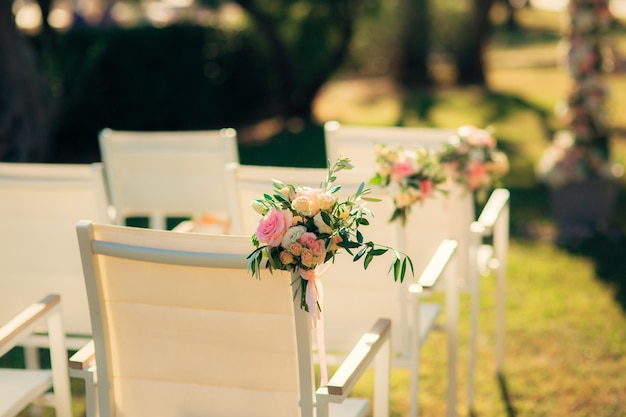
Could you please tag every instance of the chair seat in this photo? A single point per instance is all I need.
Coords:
(353, 407)
(18, 386)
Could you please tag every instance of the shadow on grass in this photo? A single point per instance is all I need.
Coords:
(506, 398)
(608, 252)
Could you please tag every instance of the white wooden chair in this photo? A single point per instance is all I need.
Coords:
(21, 387)
(181, 328)
(161, 175)
(483, 240)
(371, 292)
(41, 204)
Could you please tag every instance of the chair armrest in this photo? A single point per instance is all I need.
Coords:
(22, 325)
(356, 362)
(495, 206)
(435, 267)
(85, 358)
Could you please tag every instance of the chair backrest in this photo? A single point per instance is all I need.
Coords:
(357, 142)
(39, 207)
(167, 174)
(372, 292)
(441, 217)
(182, 329)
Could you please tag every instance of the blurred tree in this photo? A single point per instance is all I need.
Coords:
(415, 43)
(307, 41)
(470, 53)
(23, 113)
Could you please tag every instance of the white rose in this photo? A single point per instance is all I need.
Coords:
(292, 235)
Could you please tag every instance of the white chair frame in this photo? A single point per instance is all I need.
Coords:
(21, 387)
(357, 143)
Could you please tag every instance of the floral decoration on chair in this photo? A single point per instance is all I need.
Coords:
(303, 228)
(411, 175)
(474, 161)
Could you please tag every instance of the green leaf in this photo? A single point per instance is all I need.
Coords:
(334, 189)
(359, 237)
(371, 199)
(368, 259)
(360, 189)
(360, 254)
(378, 252)
(326, 218)
(396, 270)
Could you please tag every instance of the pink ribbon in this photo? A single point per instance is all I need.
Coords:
(314, 300)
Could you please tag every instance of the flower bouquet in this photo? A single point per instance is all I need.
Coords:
(303, 228)
(565, 162)
(474, 161)
(412, 176)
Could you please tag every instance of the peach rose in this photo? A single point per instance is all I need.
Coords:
(307, 258)
(310, 194)
(273, 226)
(286, 258)
(325, 201)
(403, 200)
(295, 249)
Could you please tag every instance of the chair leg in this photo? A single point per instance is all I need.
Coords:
(31, 360)
(382, 380)
(59, 364)
(452, 318)
(414, 361)
(500, 319)
(473, 342)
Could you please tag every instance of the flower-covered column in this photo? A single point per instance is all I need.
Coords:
(585, 111)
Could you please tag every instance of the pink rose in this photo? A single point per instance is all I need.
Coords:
(311, 241)
(273, 226)
(402, 169)
(476, 175)
(426, 187)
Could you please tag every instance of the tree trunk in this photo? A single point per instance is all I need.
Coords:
(470, 54)
(412, 68)
(23, 124)
(294, 100)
